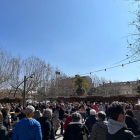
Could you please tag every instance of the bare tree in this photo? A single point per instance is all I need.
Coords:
(6, 66)
(134, 38)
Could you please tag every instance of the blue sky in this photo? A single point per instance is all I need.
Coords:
(78, 36)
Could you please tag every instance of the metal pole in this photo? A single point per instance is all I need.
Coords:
(24, 93)
(56, 83)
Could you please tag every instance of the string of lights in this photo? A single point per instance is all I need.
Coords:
(125, 58)
(121, 65)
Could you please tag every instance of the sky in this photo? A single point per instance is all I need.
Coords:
(78, 36)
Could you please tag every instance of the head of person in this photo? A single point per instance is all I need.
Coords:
(130, 113)
(17, 110)
(29, 111)
(83, 106)
(47, 114)
(58, 108)
(62, 106)
(69, 107)
(1, 117)
(76, 117)
(96, 104)
(54, 105)
(101, 116)
(92, 112)
(116, 111)
(5, 110)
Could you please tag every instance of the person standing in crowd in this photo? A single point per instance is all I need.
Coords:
(46, 126)
(6, 118)
(130, 121)
(15, 115)
(101, 108)
(136, 113)
(99, 128)
(22, 114)
(68, 120)
(61, 117)
(43, 107)
(55, 120)
(37, 113)
(3, 131)
(117, 129)
(27, 128)
(68, 110)
(75, 129)
(54, 107)
(82, 111)
(47, 106)
(88, 110)
(95, 107)
(91, 120)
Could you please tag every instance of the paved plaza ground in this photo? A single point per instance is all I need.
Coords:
(59, 137)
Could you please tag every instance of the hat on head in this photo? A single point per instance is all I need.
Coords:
(92, 112)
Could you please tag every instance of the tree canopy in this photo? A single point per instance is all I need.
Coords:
(79, 86)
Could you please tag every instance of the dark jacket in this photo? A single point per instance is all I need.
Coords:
(131, 123)
(6, 121)
(90, 122)
(47, 128)
(3, 133)
(75, 131)
(118, 131)
(21, 115)
(27, 129)
(122, 134)
(99, 131)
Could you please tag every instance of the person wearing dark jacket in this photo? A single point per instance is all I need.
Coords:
(131, 122)
(117, 129)
(75, 129)
(6, 119)
(3, 131)
(99, 128)
(22, 114)
(91, 120)
(46, 125)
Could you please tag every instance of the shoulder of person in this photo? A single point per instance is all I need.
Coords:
(127, 133)
(35, 121)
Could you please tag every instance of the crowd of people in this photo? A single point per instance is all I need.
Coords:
(76, 121)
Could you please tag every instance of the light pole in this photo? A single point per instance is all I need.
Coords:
(57, 73)
(24, 81)
(24, 93)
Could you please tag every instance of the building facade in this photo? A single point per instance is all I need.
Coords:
(65, 86)
(119, 88)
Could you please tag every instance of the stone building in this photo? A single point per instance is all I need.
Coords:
(65, 87)
(119, 88)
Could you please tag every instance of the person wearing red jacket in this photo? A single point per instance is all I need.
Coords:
(68, 120)
(95, 107)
